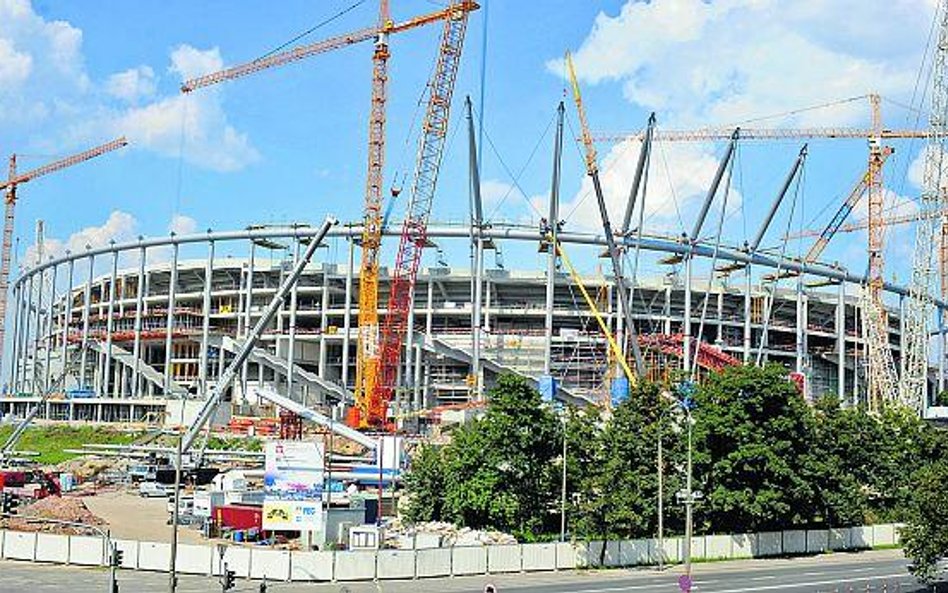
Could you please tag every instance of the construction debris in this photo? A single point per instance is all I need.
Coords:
(67, 509)
(440, 534)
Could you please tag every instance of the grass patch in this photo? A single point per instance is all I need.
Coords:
(51, 441)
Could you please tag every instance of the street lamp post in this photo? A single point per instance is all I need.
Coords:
(689, 498)
(172, 569)
(661, 497)
(563, 490)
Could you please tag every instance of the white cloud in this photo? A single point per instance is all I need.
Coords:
(15, 66)
(41, 64)
(193, 127)
(701, 62)
(182, 225)
(189, 62)
(119, 226)
(43, 82)
(680, 176)
(132, 85)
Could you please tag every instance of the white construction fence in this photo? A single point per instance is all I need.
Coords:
(361, 565)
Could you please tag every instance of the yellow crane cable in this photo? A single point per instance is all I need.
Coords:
(613, 345)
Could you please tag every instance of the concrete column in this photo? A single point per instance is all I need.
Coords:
(416, 383)
(38, 334)
(323, 322)
(429, 314)
(476, 334)
(941, 350)
(139, 306)
(206, 316)
(800, 325)
(248, 299)
(86, 308)
(27, 332)
(720, 337)
(169, 318)
(15, 335)
(67, 316)
(548, 314)
(841, 341)
(686, 319)
(109, 326)
(901, 326)
(50, 333)
(748, 287)
(487, 300)
(347, 313)
(668, 308)
(857, 343)
(291, 334)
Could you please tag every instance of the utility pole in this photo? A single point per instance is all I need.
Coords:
(563, 491)
(172, 570)
(689, 503)
(661, 496)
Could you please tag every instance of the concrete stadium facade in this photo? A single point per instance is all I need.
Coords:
(125, 331)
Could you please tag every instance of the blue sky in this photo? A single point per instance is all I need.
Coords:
(289, 144)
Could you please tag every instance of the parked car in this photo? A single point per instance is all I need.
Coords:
(152, 490)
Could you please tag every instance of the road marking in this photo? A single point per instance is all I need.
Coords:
(699, 587)
(809, 584)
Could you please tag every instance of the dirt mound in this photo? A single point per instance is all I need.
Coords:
(72, 510)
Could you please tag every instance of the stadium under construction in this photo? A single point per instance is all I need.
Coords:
(162, 330)
(137, 330)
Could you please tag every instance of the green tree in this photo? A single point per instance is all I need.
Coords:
(619, 491)
(425, 484)
(500, 470)
(925, 537)
(752, 435)
(837, 464)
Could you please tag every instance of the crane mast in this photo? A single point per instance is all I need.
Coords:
(367, 358)
(9, 207)
(913, 386)
(414, 236)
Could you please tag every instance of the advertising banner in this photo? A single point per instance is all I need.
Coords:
(293, 483)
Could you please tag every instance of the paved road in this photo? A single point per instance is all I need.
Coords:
(881, 571)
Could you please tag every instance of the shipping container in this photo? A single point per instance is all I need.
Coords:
(239, 517)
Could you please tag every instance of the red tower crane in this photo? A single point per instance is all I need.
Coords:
(414, 235)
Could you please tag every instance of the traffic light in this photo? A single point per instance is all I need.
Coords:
(117, 556)
(9, 503)
(228, 582)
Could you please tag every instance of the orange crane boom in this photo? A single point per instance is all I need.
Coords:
(721, 134)
(864, 224)
(305, 51)
(10, 185)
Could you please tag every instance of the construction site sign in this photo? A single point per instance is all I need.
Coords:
(293, 485)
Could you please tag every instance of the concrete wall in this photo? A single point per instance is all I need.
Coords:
(363, 565)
